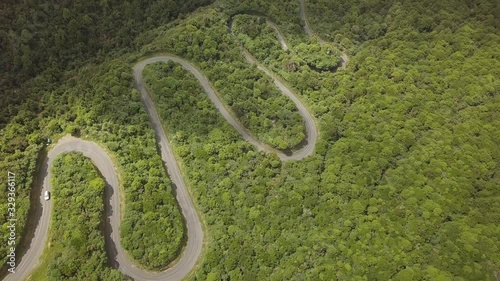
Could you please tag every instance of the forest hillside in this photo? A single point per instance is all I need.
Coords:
(404, 180)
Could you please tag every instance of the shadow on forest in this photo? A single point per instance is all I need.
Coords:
(184, 238)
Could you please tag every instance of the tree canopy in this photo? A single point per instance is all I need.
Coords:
(404, 181)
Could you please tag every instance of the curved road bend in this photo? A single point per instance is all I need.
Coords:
(310, 125)
(105, 165)
(310, 32)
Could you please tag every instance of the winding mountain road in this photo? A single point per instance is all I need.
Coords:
(308, 145)
(310, 125)
(113, 245)
(193, 248)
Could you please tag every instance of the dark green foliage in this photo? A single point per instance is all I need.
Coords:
(39, 35)
(76, 250)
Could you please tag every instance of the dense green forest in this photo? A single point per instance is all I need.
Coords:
(360, 21)
(404, 181)
(75, 249)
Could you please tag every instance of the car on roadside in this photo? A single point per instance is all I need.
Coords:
(47, 195)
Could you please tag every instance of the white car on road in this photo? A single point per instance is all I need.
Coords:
(47, 195)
